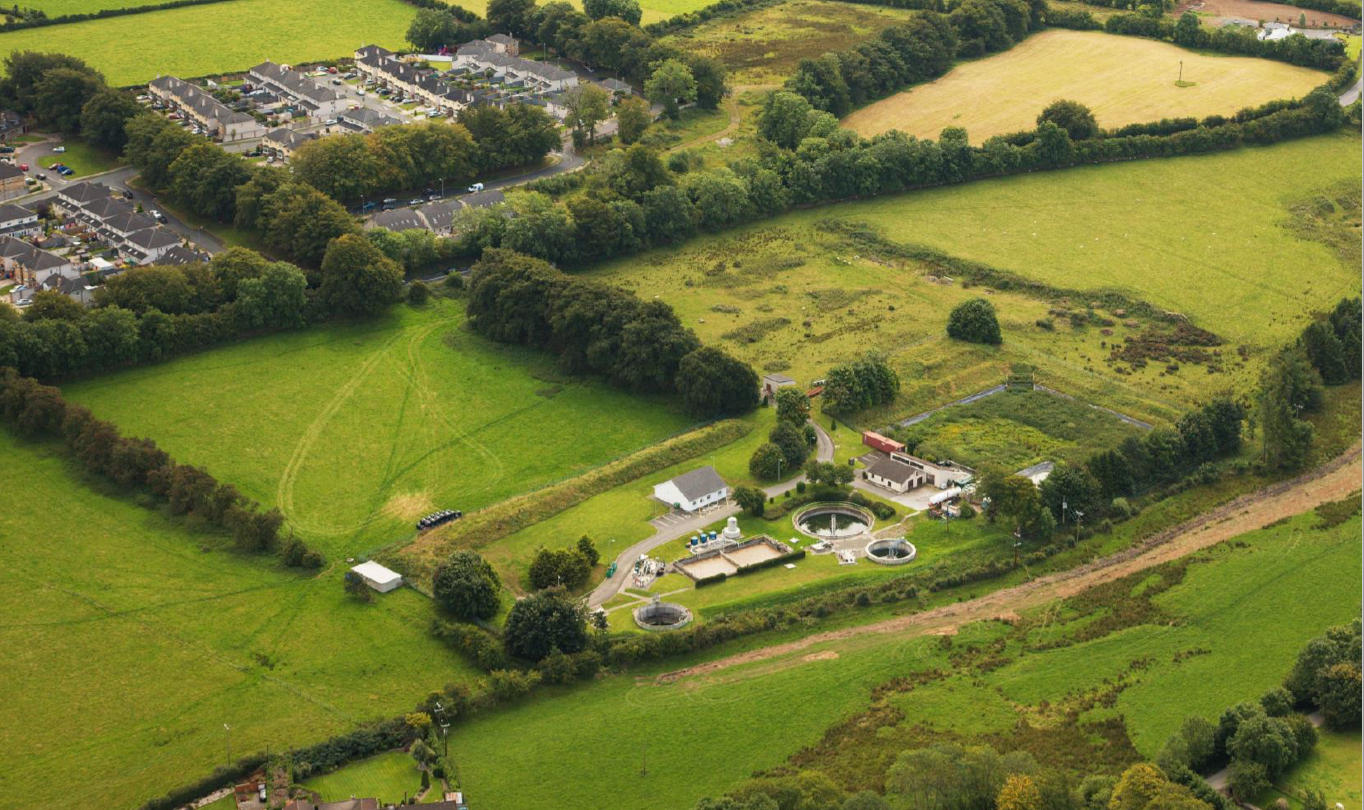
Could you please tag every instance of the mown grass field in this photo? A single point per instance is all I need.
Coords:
(704, 734)
(1333, 768)
(132, 639)
(1211, 237)
(764, 46)
(390, 778)
(1124, 80)
(221, 37)
(57, 8)
(83, 159)
(356, 430)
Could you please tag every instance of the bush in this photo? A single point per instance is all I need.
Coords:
(418, 293)
(1247, 780)
(568, 568)
(975, 322)
(544, 622)
(713, 579)
(966, 511)
(1120, 509)
(467, 586)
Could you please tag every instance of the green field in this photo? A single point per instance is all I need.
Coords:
(220, 37)
(390, 778)
(1019, 428)
(1333, 768)
(1124, 80)
(83, 159)
(58, 8)
(790, 294)
(704, 734)
(356, 430)
(131, 641)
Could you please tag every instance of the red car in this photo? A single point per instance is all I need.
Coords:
(23, 167)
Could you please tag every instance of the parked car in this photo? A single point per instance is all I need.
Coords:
(159, 217)
(127, 194)
(369, 206)
(23, 167)
(331, 70)
(6, 150)
(331, 122)
(475, 188)
(390, 200)
(415, 201)
(388, 206)
(58, 149)
(432, 197)
(359, 92)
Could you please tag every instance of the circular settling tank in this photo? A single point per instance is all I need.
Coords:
(892, 551)
(833, 521)
(662, 616)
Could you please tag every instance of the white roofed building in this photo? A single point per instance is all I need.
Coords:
(695, 490)
(378, 577)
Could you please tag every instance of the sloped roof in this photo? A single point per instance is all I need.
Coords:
(699, 482)
(892, 470)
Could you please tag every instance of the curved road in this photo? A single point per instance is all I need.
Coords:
(625, 561)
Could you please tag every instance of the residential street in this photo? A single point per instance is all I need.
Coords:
(625, 561)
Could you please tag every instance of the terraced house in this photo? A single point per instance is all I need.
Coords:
(381, 65)
(116, 222)
(319, 102)
(282, 142)
(482, 56)
(197, 105)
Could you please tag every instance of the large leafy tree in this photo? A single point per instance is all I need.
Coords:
(467, 586)
(713, 384)
(357, 278)
(105, 116)
(1072, 116)
(974, 321)
(545, 622)
(671, 84)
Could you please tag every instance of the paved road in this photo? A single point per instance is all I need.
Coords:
(116, 179)
(1352, 95)
(625, 561)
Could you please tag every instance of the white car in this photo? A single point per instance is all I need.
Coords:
(59, 149)
(331, 122)
(475, 188)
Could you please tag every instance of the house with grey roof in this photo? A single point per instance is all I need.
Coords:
(198, 105)
(282, 141)
(483, 199)
(181, 254)
(693, 491)
(399, 219)
(504, 43)
(439, 216)
(894, 475)
(16, 220)
(148, 245)
(27, 264)
(365, 119)
(320, 102)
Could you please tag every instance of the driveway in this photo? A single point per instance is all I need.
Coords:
(677, 524)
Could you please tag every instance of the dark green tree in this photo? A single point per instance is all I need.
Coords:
(105, 116)
(544, 622)
(467, 586)
(1072, 116)
(711, 383)
(974, 321)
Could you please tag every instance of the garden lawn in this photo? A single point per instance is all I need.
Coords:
(1211, 237)
(1333, 768)
(132, 639)
(1124, 80)
(356, 430)
(390, 778)
(1247, 606)
(83, 159)
(221, 37)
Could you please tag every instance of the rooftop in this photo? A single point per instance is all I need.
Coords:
(699, 482)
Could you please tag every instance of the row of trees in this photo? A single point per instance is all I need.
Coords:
(1325, 54)
(1332, 342)
(351, 166)
(567, 568)
(633, 201)
(38, 410)
(597, 329)
(146, 314)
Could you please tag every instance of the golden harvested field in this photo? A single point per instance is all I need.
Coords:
(1124, 80)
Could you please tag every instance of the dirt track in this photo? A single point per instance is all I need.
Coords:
(1332, 481)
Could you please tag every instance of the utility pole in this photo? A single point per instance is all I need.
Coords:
(1079, 516)
(1018, 541)
(228, 730)
(644, 752)
(1181, 70)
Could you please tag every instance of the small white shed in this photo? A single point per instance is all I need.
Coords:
(378, 577)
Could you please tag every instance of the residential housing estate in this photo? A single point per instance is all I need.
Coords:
(319, 102)
(196, 103)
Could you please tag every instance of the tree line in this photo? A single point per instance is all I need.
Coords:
(636, 345)
(351, 166)
(147, 314)
(1324, 54)
(604, 34)
(36, 18)
(39, 411)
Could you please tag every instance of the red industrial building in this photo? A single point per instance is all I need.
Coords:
(878, 442)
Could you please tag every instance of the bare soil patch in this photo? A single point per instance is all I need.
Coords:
(409, 505)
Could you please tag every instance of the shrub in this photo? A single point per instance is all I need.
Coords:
(544, 622)
(1247, 780)
(568, 568)
(418, 293)
(1120, 509)
(974, 321)
(467, 586)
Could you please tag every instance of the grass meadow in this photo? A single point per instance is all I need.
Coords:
(57, 8)
(390, 778)
(1240, 607)
(132, 639)
(83, 159)
(356, 430)
(220, 37)
(789, 295)
(1333, 768)
(1124, 80)
(763, 46)
(1019, 428)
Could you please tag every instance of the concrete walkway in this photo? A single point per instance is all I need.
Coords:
(675, 528)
